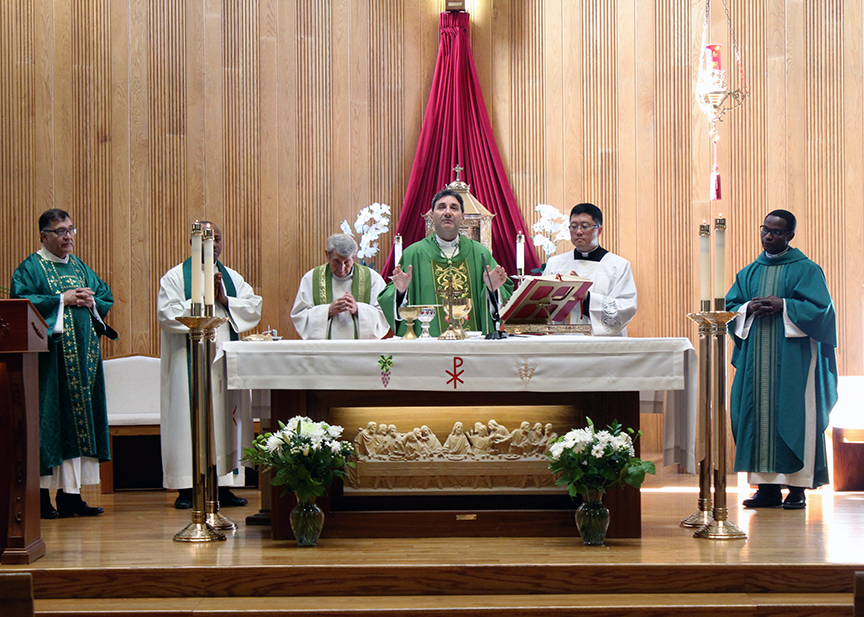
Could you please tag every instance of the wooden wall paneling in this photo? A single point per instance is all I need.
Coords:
(413, 103)
(340, 175)
(366, 109)
(626, 224)
(500, 93)
(63, 97)
(141, 243)
(643, 209)
(214, 121)
(196, 60)
(573, 53)
(42, 29)
(288, 128)
(852, 223)
(553, 113)
(269, 222)
(241, 121)
(121, 230)
(18, 75)
(774, 33)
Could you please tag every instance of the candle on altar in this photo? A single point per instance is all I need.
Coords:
(397, 248)
(704, 262)
(196, 263)
(209, 287)
(719, 258)
(520, 251)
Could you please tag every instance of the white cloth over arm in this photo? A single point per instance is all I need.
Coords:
(312, 321)
(231, 408)
(612, 295)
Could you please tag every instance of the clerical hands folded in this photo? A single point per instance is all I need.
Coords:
(340, 305)
(80, 296)
(761, 307)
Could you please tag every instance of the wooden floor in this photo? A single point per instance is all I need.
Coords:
(128, 553)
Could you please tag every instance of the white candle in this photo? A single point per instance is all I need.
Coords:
(209, 294)
(520, 251)
(719, 258)
(705, 262)
(196, 263)
(397, 248)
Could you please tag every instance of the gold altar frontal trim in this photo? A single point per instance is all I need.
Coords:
(536, 328)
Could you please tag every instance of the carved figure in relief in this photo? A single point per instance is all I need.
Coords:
(457, 442)
(535, 439)
(548, 437)
(499, 438)
(431, 443)
(519, 439)
(364, 443)
(480, 440)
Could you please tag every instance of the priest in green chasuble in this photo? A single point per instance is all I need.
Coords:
(73, 419)
(785, 370)
(339, 299)
(428, 265)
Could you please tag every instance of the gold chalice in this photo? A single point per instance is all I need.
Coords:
(409, 314)
(459, 310)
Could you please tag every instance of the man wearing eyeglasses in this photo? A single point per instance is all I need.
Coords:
(611, 301)
(73, 419)
(785, 370)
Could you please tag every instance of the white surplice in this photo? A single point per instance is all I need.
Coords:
(313, 323)
(612, 301)
(231, 409)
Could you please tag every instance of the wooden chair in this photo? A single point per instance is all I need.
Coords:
(16, 594)
(132, 392)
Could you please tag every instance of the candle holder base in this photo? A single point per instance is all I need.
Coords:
(198, 532)
(699, 519)
(219, 521)
(721, 530)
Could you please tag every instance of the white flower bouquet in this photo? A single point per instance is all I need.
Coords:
(551, 228)
(372, 221)
(590, 460)
(304, 455)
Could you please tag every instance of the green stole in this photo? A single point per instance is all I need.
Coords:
(322, 288)
(230, 290)
(82, 356)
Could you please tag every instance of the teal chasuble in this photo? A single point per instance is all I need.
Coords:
(73, 418)
(771, 370)
(432, 270)
(322, 289)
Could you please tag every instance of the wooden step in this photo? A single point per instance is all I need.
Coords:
(585, 605)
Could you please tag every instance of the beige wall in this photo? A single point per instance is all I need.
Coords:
(278, 119)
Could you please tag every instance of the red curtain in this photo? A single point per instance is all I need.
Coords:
(456, 130)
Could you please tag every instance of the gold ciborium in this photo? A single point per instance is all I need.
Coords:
(409, 314)
(459, 310)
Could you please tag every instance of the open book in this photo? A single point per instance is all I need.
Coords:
(545, 299)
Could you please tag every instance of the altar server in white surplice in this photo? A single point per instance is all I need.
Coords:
(339, 299)
(234, 299)
(611, 301)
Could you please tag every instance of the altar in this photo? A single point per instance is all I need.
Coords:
(562, 379)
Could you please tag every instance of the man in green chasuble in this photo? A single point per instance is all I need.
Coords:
(785, 370)
(73, 419)
(429, 264)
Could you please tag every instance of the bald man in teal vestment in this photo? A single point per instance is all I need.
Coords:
(785, 369)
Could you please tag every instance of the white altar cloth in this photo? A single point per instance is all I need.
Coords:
(532, 364)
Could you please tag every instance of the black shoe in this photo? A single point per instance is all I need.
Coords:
(184, 499)
(768, 496)
(48, 511)
(227, 499)
(70, 504)
(796, 499)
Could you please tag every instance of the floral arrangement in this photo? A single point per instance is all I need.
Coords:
(591, 460)
(551, 228)
(372, 221)
(304, 455)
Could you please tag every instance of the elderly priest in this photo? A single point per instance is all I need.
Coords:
(428, 265)
(339, 299)
(234, 299)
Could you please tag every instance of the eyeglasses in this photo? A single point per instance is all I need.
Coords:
(774, 232)
(62, 232)
(583, 227)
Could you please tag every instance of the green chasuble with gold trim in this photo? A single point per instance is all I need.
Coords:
(322, 288)
(431, 271)
(771, 369)
(73, 419)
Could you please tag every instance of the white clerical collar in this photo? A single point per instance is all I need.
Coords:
(347, 277)
(776, 255)
(446, 244)
(46, 254)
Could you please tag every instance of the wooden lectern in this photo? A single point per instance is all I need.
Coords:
(23, 333)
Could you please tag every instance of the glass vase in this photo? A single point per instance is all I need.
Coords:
(307, 520)
(592, 518)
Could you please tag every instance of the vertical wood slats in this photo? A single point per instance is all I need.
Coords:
(281, 119)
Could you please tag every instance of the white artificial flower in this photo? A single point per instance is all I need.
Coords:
(346, 228)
